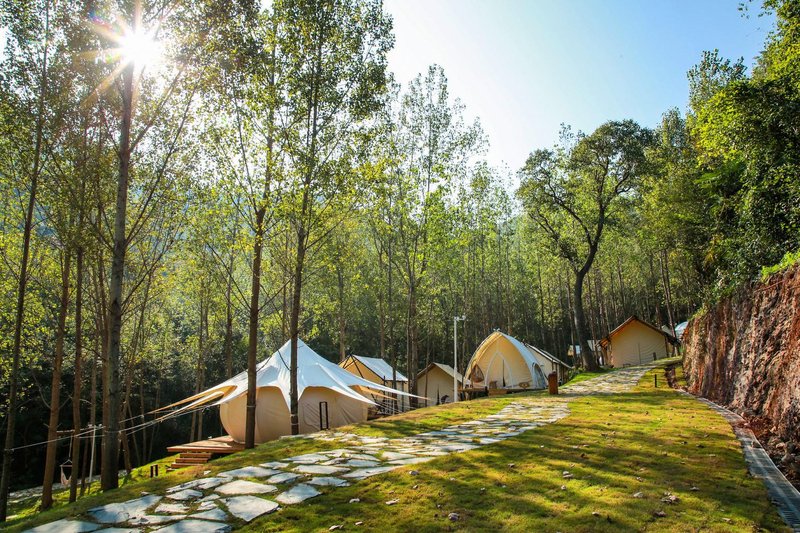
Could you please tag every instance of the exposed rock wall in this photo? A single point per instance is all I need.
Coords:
(744, 353)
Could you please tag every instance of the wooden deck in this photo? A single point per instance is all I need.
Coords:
(222, 445)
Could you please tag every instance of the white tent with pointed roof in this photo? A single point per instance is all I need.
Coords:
(503, 362)
(329, 396)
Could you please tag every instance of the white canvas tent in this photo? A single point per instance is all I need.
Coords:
(377, 370)
(329, 396)
(436, 383)
(503, 362)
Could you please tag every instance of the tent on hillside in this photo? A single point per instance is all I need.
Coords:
(635, 342)
(435, 382)
(328, 396)
(503, 362)
(377, 370)
(551, 363)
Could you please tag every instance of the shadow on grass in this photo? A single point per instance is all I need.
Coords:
(651, 442)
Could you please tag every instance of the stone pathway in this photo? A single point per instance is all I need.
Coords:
(209, 504)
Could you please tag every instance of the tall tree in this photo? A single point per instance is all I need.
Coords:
(28, 67)
(336, 63)
(574, 191)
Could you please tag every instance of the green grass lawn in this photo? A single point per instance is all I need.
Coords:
(583, 376)
(650, 441)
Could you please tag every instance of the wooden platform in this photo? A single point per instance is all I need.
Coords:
(224, 444)
(200, 452)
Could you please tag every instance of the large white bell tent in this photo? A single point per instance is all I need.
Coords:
(503, 362)
(329, 396)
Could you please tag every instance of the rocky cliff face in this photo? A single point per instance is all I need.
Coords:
(744, 353)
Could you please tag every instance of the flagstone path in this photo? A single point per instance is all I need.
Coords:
(209, 504)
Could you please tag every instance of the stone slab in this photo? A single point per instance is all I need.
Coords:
(202, 484)
(172, 508)
(245, 487)
(250, 471)
(116, 513)
(64, 526)
(299, 493)
(284, 477)
(308, 458)
(196, 526)
(363, 473)
(154, 519)
(185, 495)
(249, 507)
(328, 482)
(319, 469)
(213, 514)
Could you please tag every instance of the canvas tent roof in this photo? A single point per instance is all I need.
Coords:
(313, 370)
(446, 368)
(381, 368)
(524, 352)
(547, 355)
(604, 342)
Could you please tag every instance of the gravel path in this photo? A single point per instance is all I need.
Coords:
(209, 504)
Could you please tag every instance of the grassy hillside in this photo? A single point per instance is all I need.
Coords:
(650, 460)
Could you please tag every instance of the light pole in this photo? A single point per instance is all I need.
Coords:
(455, 355)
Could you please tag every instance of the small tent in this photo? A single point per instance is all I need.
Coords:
(328, 396)
(435, 382)
(377, 370)
(635, 342)
(680, 328)
(551, 363)
(503, 362)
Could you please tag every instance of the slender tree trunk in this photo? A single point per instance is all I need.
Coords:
(342, 318)
(587, 356)
(92, 413)
(22, 283)
(294, 325)
(109, 478)
(228, 349)
(252, 344)
(55, 386)
(413, 341)
(76, 391)
(664, 259)
(571, 309)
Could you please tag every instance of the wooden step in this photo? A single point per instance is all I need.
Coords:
(191, 461)
(196, 455)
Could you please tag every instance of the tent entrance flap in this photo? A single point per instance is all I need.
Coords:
(324, 421)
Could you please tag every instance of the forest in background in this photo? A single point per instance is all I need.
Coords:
(279, 184)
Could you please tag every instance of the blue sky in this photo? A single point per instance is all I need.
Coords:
(526, 66)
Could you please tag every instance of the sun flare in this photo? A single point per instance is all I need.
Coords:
(140, 48)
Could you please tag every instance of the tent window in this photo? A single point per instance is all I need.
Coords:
(324, 422)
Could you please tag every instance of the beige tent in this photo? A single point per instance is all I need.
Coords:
(435, 382)
(551, 363)
(635, 342)
(379, 371)
(328, 396)
(503, 362)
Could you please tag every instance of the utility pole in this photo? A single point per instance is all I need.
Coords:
(455, 355)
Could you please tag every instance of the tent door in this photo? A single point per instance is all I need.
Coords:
(324, 422)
